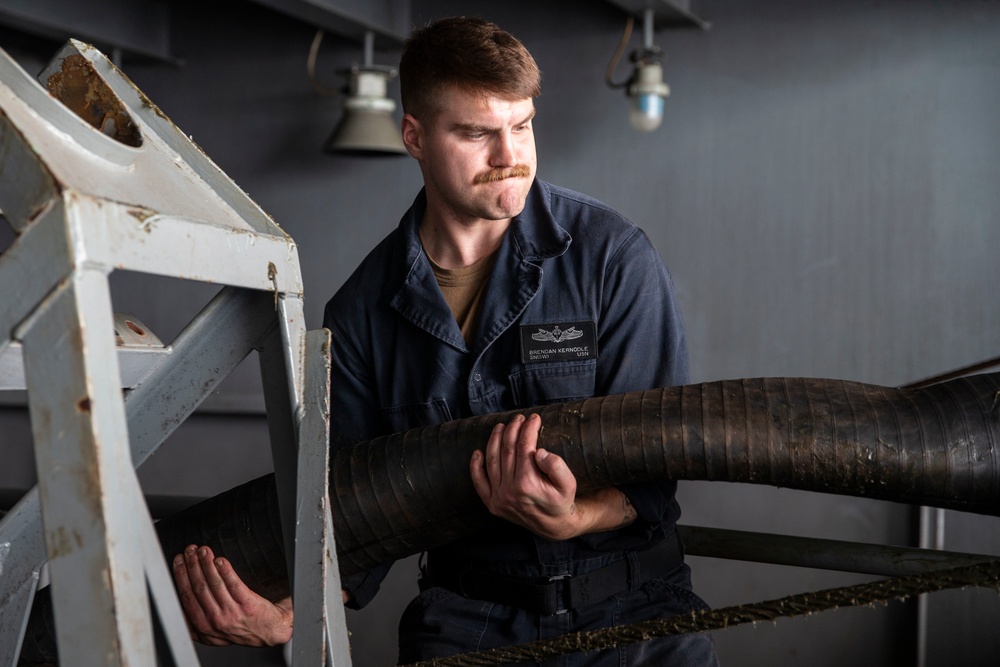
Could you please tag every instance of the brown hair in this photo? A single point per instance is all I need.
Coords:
(470, 53)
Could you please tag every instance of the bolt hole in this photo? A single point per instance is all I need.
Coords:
(135, 327)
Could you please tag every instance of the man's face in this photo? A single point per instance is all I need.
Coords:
(477, 155)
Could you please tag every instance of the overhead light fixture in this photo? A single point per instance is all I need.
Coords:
(645, 88)
(368, 126)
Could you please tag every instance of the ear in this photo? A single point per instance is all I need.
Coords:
(413, 136)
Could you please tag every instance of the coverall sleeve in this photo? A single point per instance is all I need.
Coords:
(641, 345)
(353, 418)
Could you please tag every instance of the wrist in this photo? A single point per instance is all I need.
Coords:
(282, 630)
(604, 509)
(579, 520)
(572, 524)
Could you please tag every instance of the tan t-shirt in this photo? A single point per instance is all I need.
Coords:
(463, 290)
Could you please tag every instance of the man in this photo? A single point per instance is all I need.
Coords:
(499, 291)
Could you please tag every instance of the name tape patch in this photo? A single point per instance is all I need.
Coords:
(558, 341)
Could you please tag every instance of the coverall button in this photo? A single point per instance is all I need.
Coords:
(477, 377)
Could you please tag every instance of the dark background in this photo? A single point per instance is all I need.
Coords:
(823, 187)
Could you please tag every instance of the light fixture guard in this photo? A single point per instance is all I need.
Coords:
(647, 92)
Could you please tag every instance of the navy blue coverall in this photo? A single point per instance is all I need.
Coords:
(580, 304)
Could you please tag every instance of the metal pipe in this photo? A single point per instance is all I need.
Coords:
(821, 554)
(932, 522)
(369, 57)
(648, 16)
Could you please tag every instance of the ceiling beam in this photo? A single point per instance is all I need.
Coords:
(666, 13)
(388, 19)
(137, 28)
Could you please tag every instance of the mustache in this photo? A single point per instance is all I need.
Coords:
(500, 173)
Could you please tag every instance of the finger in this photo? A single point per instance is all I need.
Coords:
(493, 446)
(202, 592)
(181, 579)
(557, 471)
(527, 444)
(509, 448)
(480, 481)
(193, 611)
(193, 567)
(213, 579)
(237, 591)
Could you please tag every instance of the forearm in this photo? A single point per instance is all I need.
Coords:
(595, 512)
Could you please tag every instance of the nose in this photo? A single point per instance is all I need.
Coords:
(503, 154)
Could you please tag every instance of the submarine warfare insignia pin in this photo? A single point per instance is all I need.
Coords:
(558, 341)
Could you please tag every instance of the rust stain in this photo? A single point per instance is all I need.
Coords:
(83, 405)
(272, 275)
(61, 544)
(141, 214)
(90, 481)
(81, 88)
(41, 209)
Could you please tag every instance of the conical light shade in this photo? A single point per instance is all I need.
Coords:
(368, 126)
(365, 131)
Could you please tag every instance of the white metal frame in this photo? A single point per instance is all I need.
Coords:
(83, 205)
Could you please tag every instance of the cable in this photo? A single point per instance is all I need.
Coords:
(610, 72)
(980, 574)
(950, 375)
(311, 66)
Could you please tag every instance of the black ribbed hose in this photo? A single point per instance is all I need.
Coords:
(405, 493)
(938, 446)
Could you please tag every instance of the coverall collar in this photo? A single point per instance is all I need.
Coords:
(533, 236)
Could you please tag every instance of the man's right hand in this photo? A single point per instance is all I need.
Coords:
(221, 609)
(535, 489)
(526, 485)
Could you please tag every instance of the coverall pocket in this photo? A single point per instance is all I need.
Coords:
(553, 383)
(439, 623)
(414, 415)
